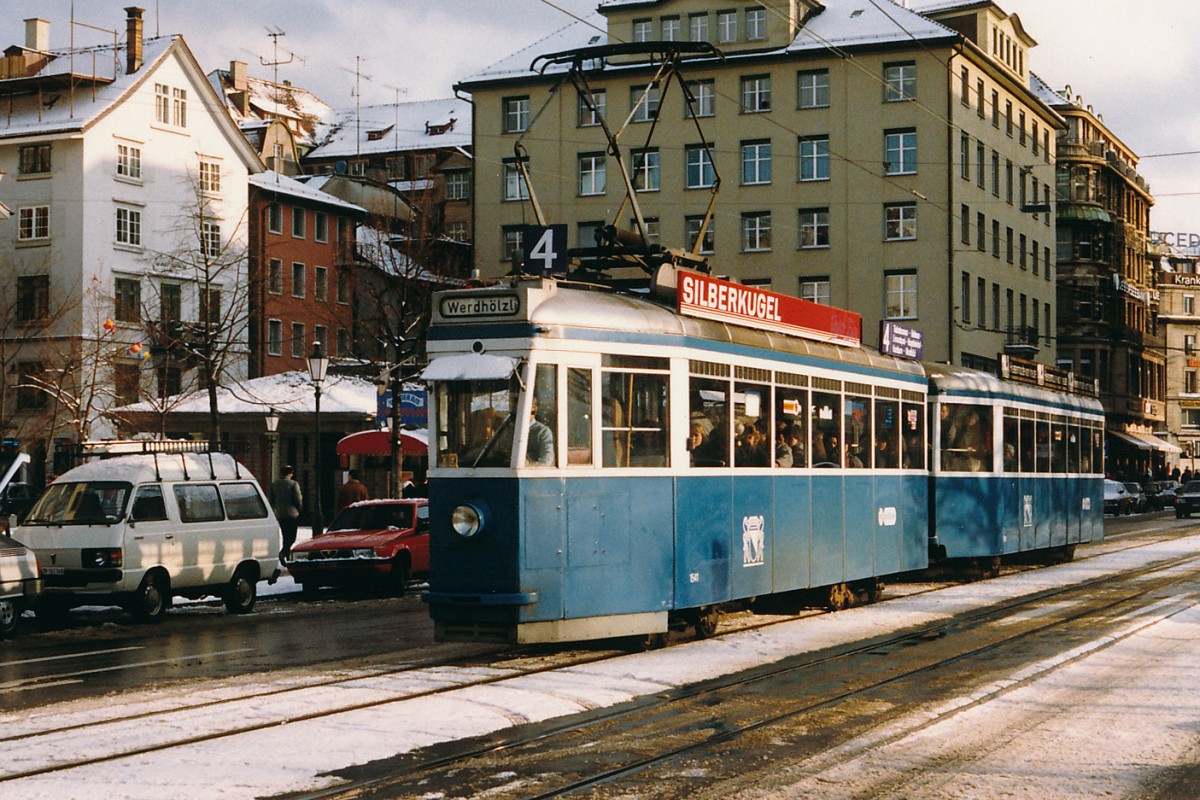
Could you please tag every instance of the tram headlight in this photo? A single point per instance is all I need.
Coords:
(467, 520)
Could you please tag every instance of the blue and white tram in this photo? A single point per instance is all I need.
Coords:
(1017, 468)
(603, 466)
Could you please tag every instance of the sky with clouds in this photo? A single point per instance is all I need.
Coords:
(1133, 63)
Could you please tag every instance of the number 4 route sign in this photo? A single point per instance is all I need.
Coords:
(544, 248)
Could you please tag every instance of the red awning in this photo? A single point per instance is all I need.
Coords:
(379, 443)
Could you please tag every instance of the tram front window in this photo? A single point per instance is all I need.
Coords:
(475, 423)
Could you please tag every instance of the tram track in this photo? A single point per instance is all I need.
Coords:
(260, 710)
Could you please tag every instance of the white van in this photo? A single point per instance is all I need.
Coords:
(140, 529)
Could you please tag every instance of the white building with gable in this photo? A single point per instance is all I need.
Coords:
(127, 184)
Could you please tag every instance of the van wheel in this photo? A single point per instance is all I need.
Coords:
(8, 619)
(151, 598)
(241, 593)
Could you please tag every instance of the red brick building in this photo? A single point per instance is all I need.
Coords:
(302, 273)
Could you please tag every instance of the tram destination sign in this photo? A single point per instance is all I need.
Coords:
(460, 306)
(901, 341)
(712, 298)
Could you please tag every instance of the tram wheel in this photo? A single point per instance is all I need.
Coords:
(873, 589)
(839, 597)
(653, 641)
(990, 567)
(706, 622)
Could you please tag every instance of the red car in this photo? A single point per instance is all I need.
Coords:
(384, 542)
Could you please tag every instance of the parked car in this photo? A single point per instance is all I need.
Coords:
(1167, 490)
(1154, 497)
(382, 542)
(1138, 497)
(20, 583)
(16, 500)
(1187, 500)
(1116, 498)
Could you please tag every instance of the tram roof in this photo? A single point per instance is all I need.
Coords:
(946, 379)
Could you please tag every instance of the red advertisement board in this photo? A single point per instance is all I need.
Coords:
(712, 298)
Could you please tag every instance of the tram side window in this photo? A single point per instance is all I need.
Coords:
(1028, 446)
(887, 434)
(1058, 446)
(791, 425)
(1097, 451)
(857, 413)
(1043, 445)
(914, 437)
(966, 443)
(540, 449)
(579, 417)
(1073, 444)
(708, 421)
(1012, 442)
(826, 430)
(634, 419)
(474, 426)
(752, 425)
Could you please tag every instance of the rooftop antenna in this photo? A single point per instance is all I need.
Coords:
(358, 76)
(275, 33)
(396, 141)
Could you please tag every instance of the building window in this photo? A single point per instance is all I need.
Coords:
(592, 172)
(814, 158)
(965, 301)
(1008, 181)
(979, 95)
(343, 343)
(699, 170)
(512, 242)
(691, 226)
(899, 221)
(964, 156)
(170, 302)
(644, 101)
(727, 27)
(756, 231)
(588, 234)
(299, 283)
(210, 177)
(900, 152)
(321, 284)
(981, 298)
(1189, 304)
(698, 27)
(814, 228)
(590, 114)
(900, 290)
(343, 286)
(981, 155)
(672, 29)
(456, 231)
(995, 174)
(162, 104)
(320, 334)
(274, 337)
(812, 89)
(129, 161)
(996, 238)
(996, 307)
(275, 276)
(965, 223)
(33, 223)
(515, 187)
(643, 30)
(1024, 257)
(756, 24)
(646, 170)
(179, 107)
(704, 98)
(1008, 245)
(210, 239)
(33, 297)
(1189, 386)
(170, 381)
(275, 218)
(1008, 118)
(980, 226)
(995, 109)
(297, 222)
(299, 349)
(29, 395)
(320, 226)
(127, 300)
(516, 114)
(1035, 250)
(756, 163)
(756, 94)
(127, 380)
(815, 290)
(210, 306)
(458, 185)
(129, 226)
(1021, 128)
(899, 82)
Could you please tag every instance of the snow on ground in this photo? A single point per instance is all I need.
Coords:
(294, 756)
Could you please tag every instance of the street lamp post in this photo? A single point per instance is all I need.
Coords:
(318, 364)
(272, 420)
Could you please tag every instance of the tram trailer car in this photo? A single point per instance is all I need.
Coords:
(606, 466)
(1018, 469)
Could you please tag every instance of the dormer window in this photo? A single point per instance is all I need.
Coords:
(376, 135)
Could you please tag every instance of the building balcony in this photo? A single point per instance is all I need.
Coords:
(1022, 342)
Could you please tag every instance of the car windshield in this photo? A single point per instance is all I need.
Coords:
(1192, 487)
(1132, 487)
(80, 503)
(373, 517)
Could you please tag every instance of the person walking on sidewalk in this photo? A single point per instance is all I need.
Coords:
(287, 499)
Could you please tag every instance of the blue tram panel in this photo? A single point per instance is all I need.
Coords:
(606, 465)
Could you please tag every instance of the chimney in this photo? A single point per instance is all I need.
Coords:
(237, 75)
(37, 34)
(133, 39)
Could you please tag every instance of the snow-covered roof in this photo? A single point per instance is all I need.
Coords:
(268, 99)
(397, 127)
(1043, 92)
(272, 181)
(57, 111)
(287, 393)
(843, 24)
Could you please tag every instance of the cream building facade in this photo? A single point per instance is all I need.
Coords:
(888, 160)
